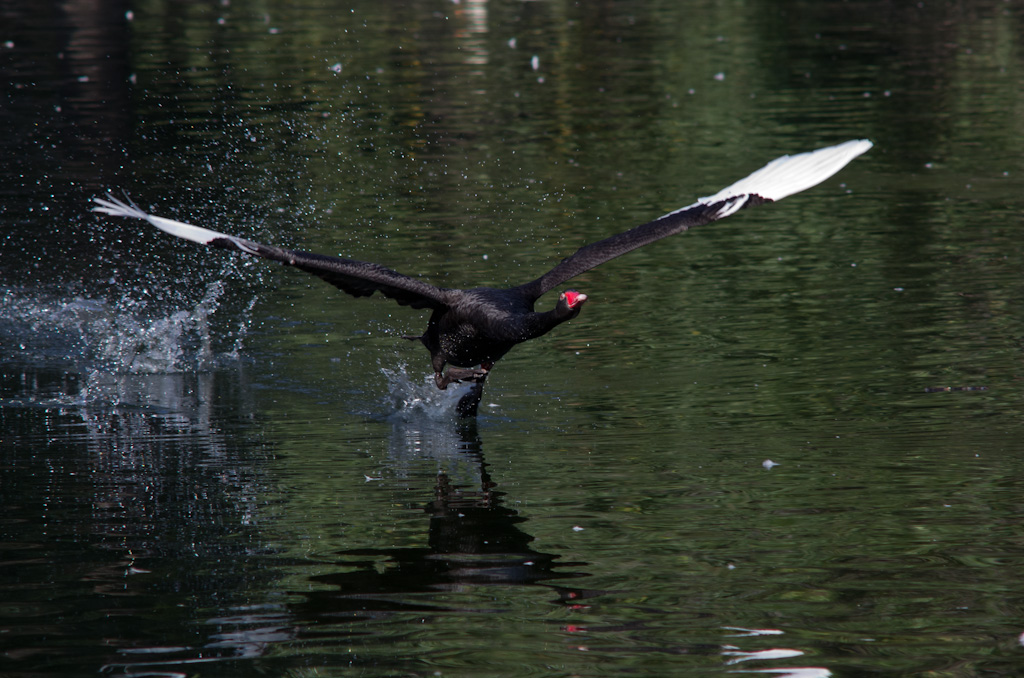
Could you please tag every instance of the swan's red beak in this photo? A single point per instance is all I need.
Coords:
(574, 298)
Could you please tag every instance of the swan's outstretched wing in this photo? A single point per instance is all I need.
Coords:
(358, 278)
(780, 178)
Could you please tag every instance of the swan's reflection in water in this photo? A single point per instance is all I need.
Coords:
(473, 540)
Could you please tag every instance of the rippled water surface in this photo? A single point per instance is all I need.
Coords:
(788, 443)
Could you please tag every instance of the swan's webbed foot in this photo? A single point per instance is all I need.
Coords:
(476, 376)
(455, 375)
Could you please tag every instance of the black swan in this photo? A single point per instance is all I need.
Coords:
(469, 330)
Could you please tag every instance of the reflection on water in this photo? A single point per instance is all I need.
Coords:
(472, 540)
(104, 506)
(735, 655)
(473, 543)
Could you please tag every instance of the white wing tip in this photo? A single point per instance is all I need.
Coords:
(119, 208)
(791, 174)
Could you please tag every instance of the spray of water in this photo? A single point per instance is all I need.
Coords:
(109, 343)
(410, 398)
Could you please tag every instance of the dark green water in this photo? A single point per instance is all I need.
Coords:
(788, 443)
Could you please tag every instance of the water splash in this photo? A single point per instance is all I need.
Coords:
(133, 343)
(108, 346)
(409, 398)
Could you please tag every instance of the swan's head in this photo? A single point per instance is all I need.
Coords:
(571, 302)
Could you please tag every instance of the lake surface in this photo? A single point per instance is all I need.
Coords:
(788, 443)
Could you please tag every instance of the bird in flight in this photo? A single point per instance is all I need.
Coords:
(471, 329)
